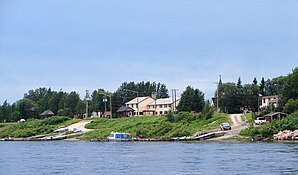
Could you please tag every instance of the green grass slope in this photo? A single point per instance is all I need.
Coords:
(34, 127)
(183, 124)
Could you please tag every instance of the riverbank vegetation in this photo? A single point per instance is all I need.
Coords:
(33, 127)
(181, 124)
(267, 130)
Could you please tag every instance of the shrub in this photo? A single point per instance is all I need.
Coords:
(55, 120)
(291, 106)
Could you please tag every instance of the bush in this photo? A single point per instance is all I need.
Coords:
(291, 106)
(208, 111)
(54, 120)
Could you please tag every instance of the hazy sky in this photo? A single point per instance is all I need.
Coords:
(89, 44)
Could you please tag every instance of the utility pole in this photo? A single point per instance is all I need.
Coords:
(154, 96)
(217, 108)
(87, 98)
(105, 101)
(174, 98)
(111, 106)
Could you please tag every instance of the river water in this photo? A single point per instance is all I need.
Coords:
(152, 158)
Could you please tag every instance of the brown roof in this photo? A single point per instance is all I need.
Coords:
(125, 109)
(47, 113)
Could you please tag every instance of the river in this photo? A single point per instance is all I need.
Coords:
(152, 158)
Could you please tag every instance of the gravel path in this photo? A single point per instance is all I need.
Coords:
(237, 125)
(80, 125)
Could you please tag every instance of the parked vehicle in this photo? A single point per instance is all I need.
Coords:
(260, 120)
(115, 136)
(225, 126)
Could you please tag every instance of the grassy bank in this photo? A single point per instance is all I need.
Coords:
(33, 127)
(183, 124)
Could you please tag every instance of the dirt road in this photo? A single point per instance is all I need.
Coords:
(237, 125)
(80, 125)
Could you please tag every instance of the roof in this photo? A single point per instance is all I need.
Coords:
(162, 101)
(271, 96)
(137, 100)
(124, 109)
(47, 112)
(274, 113)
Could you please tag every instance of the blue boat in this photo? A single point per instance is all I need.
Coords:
(116, 136)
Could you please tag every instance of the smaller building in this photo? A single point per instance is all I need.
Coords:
(274, 116)
(45, 114)
(267, 101)
(125, 111)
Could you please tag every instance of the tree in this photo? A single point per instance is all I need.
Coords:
(26, 108)
(262, 86)
(291, 106)
(290, 90)
(208, 110)
(96, 103)
(255, 82)
(6, 111)
(191, 100)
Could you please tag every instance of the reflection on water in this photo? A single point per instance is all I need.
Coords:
(147, 158)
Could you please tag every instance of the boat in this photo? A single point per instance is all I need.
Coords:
(116, 136)
(49, 138)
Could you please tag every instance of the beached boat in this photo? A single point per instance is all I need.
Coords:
(49, 138)
(115, 136)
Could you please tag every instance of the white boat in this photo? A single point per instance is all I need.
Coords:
(116, 136)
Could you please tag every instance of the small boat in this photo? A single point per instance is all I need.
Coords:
(49, 138)
(115, 136)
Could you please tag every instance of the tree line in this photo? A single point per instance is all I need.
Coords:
(70, 104)
(232, 98)
(235, 97)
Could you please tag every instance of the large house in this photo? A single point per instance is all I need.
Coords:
(147, 106)
(163, 106)
(140, 105)
(267, 101)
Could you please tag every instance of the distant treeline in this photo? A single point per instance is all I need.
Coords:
(69, 104)
(234, 97)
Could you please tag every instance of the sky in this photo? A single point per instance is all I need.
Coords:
(78, 45)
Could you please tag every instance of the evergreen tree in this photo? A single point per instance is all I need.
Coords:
(255, 82)
(191, 100)
(262, 86)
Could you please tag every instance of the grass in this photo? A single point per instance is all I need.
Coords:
(154, 126)
(34, 127)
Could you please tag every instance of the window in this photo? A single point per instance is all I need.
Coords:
(131, 105)
(169, 106)
(141, 113)
(137, 105)
(160, 106)
(166, 112)
(160, 112)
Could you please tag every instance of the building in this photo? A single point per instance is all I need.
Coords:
(140, 105)
(147, 106)
(45, 114)
(267, 101)
(163, 106)
(274, 116)
(125, 111)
